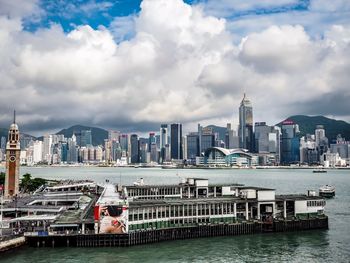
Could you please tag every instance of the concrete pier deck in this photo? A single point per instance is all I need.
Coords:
(12, 243)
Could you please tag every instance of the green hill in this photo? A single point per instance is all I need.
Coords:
(307, 125)
(98, 135)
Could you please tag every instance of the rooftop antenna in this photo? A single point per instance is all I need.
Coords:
(14, 116)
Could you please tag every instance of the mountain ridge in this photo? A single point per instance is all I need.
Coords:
(307, 125)
(98, 134)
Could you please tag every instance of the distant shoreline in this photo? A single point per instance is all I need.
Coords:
(2, 165)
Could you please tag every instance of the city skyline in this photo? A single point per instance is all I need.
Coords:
(88, 62)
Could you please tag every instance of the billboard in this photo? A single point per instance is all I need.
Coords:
(112, 219)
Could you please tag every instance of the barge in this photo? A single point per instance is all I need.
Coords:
(140, 214)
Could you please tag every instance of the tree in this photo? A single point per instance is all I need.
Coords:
(30, 185)
(26, 182)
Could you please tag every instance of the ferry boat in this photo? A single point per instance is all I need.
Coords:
(320, 170)
(327, 191)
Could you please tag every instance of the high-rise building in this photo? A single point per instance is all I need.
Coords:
(72, 154)
(246, 139)
(3, 143)
(154, 154)
(176, 141)
(86, 138)
(37, 152)
(47, 149)
(261, 134)
(163, 140)
(64, 151)
(151, 140)
(143, 152)
(192, 146)
(319, 134)
(13, 151)
(124, 142)
(2, 148)
(135, 149)
(113, 135)
(308, 150)
(207, 139)
(290, 152)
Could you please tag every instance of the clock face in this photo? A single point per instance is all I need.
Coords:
(12, 158)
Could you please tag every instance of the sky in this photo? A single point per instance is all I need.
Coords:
(131, 65)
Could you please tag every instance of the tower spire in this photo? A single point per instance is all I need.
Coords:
(14, 116)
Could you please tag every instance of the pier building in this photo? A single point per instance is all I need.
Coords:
(196, 202)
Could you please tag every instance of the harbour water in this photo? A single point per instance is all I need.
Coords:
(309, 246)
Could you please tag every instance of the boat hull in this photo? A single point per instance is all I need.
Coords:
(327, 194)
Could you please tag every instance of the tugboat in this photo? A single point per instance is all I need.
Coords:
(327, 191)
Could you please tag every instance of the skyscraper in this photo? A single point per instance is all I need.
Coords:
(163, 141)
(192, 146)
(113, 135)
(135, 149)
(290, 152)
(13, 150)
(124, 142)
(151, 140)
(176, 141)
(320, 133)
(86, 138)
(207, 139)
(246, 139)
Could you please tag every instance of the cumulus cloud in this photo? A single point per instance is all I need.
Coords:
(179, 65)
(19, 8)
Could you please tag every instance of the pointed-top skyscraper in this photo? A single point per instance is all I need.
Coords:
(13, 151)
(246, 139)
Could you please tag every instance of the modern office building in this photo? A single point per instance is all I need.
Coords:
(47, 150)
(154, 153)
(72, 154)
(135, 148)
(86, 138)
(151, 140)
(342, 147)
(267, 140)
(124, 142)
(176, 141)
(163, 140)
(290, 152)
(246, 138)
(192, 146)
(207, 139)
(308, 150)
(113, 135)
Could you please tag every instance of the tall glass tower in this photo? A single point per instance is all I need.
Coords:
(176, 141)
(246, 138)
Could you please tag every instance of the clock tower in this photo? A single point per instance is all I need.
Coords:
(13, 151)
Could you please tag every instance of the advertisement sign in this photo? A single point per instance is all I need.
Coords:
(113, 219)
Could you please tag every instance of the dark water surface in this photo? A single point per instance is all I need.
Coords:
(331, 245)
